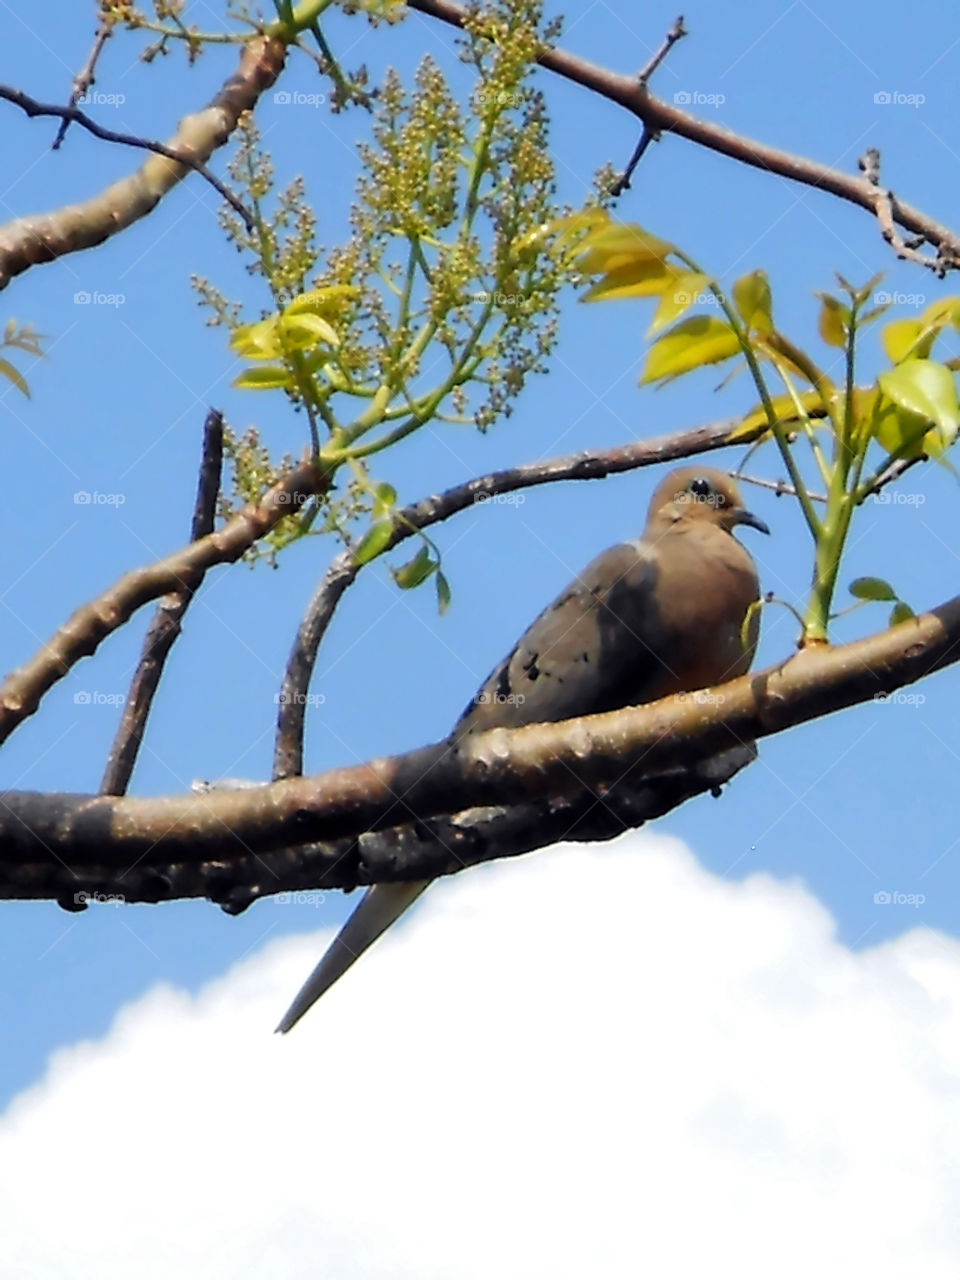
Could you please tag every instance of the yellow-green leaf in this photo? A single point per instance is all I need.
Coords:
(384, 497)
(688, 345)
(443, 592)
(754, 302)
(263, 377)
(635, 280)
(306, 330)
(257, 341)
(898, 337)
(942, 312)
(619, 244)
(834, 317)
(373, 541)
(325, 301)
(16, 377)
(569, 230)
(924, 391)
(686, 290)
(872, 589)
(415, 571)
(785, 409)
(901, 612)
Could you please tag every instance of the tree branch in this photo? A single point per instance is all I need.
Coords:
(501, 767)
(437, 847)
(25, 242)
(83, 632)
(165, 626)
(627, 91)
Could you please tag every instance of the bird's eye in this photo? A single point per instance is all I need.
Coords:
(701, 487)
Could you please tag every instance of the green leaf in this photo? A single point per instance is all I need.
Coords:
(322, 302)
(307, 330)
(384, 498)
(872, 589)
(688, 345)
(783, 407)
(674, 301)
(263, 377)
(942, 312)
(620, 244)
(415, 571)
(373, 541)
(257, 341)
(834, 319)
(15, 376)
(754, 302)
(901, 612)
(926, 393)
(898, 337)
(640, 279)
(443, 592)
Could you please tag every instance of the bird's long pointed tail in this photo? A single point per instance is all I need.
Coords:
(379, 907)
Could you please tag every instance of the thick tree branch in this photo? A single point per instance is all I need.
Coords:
(502, 767)
(437, 847)
(82, 633)
(44, 237)
(165, 626)
(343, 569)
(657, 115)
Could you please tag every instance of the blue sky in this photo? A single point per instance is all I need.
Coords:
(849, 806)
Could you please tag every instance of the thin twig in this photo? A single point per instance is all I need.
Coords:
(165, 625)
(74, 114)
(779, 487)
(84, 78)
(676, 32)
(658, 114)
(622, 183)
(44, 237)
(869, 164)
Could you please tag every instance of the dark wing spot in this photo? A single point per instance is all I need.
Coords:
(530, 667)
(503, 681)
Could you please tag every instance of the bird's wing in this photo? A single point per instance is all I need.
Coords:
(598, 646)
(377, 910)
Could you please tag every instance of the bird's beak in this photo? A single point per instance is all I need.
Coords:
(740, 516)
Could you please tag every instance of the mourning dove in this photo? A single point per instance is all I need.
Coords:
(660, 615)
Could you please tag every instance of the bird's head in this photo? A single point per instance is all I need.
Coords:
(701, 493)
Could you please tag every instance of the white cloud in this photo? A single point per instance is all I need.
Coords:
(602, 1062)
